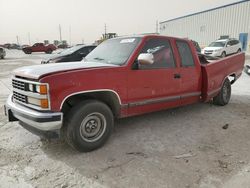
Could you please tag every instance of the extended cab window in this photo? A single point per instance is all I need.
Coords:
(185, 54)
(163, 55)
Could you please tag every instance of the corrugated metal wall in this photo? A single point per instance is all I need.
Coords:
(208, 26)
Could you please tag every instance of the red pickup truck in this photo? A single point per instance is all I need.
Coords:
(122, 77)
(39, 47)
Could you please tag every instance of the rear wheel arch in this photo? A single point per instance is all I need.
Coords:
(109, 97)
(231, 77)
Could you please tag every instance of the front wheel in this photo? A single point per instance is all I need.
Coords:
(27, 51)
(88, 125)
(224, 95)
(223, 54)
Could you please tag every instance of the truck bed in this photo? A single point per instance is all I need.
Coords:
(215, 72)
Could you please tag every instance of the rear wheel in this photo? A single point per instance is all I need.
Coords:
(223, 54)
(239, 50)
(28, 51)
(224, 95)
(88, 125)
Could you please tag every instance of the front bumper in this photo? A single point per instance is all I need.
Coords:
(213, 54)
(41, 121)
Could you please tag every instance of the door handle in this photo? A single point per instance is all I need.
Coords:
(177, 76)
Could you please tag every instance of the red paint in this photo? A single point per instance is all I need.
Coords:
(40, 47)
(136, 86)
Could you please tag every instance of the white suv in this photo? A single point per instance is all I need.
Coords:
(222, 48)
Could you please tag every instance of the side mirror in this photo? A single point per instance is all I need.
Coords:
(146, 59)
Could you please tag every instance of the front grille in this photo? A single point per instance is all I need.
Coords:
(18, 84)
(209, 51)
(24, 92)
(19, 97)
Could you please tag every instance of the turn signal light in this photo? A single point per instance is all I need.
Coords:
(44, 103)
(43, 89)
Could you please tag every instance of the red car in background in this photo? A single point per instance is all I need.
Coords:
(39, 47)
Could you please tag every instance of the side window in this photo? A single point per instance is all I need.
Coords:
(185, 54)
(229, 43)
(83, 50)
(162, 51)
(91, 48)
(235, 42)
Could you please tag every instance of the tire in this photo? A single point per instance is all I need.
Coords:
(88, 125)
(49, 51)
(224, 95)
(223, 54)
(27, 51)
(2, 57)
(239, 50)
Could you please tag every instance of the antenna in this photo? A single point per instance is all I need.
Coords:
(105, 31)
(60, 33)
(17, 39)
(70, 35)
(29, 37)
(157, 27)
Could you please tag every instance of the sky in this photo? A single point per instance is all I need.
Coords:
(40, 19)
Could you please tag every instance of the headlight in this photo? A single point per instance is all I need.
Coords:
(41, 89)
(217, 50)
(39, 96)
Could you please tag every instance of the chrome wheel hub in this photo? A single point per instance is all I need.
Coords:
(93, 127)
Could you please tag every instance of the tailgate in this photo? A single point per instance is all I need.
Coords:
(214, 74)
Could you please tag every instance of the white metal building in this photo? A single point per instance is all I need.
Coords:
(232, 20)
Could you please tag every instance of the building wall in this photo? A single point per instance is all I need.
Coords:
(208, 26)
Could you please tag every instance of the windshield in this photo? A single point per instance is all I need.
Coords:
(114, 51)
(217, 44)
(71, 50)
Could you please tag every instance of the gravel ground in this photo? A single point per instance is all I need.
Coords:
(200, 145)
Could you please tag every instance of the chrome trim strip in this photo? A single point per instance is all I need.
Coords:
(90, 91)
(213, 91)
(152, 101)
(31, 94)
(163, 99)
(194, 94)
(27, 81)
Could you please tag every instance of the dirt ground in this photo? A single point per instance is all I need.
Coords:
(201, 145)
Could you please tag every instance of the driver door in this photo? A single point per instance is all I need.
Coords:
(154, 87)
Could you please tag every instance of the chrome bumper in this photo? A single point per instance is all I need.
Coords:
(43, 121)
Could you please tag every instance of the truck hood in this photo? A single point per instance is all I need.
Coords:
(36, 71)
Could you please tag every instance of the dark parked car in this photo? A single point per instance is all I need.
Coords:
(75, 53)
(2, 53)
(197, 46)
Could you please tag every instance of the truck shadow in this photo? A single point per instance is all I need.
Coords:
(156, 137)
